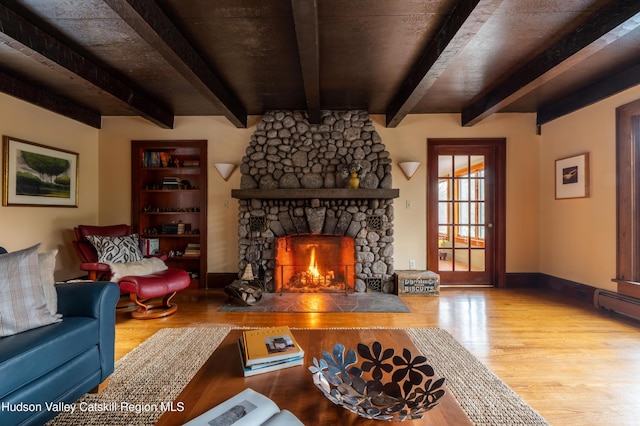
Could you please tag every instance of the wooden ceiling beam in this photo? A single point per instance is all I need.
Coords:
(603, 28)
(466, 18)
(45, 99)
(589, 95)
(305, 17)
(157, 29)
(28, 39)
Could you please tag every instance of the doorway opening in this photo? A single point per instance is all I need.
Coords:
(466, 211)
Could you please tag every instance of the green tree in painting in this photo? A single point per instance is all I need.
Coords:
(48, 167)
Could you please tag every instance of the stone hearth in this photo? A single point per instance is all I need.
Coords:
(293, 184)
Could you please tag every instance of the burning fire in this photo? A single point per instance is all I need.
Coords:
(313, 264)
(312, 275)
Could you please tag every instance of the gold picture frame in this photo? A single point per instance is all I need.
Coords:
(572, 177)
(38, 175)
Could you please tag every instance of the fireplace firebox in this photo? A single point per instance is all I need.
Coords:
(314, 263)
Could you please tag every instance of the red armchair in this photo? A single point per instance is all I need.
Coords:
(141, 289)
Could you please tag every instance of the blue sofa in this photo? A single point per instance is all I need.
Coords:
(59, 362)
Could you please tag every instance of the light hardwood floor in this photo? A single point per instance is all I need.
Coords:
(574, 364)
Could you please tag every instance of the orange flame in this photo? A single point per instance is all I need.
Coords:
(313, 264)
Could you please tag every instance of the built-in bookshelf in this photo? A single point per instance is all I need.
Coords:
(169, 202)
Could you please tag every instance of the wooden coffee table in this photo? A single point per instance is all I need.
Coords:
(221, 377)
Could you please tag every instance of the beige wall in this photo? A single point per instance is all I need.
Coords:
(571, 239)
(406, 142)
(22, 227)
(226, 145)
(409, 142)
(578, 236)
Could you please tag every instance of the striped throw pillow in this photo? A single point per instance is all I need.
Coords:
(22, 302)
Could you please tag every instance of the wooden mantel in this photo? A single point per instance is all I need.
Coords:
(322, 193)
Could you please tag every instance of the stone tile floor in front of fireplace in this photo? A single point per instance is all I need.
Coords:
(322, 302)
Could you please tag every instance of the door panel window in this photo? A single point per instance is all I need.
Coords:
(461, 210)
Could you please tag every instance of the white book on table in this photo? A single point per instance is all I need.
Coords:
(248, 408)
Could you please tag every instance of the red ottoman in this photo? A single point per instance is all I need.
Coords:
(163, 284)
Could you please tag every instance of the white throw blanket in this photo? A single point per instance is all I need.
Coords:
(145, 266)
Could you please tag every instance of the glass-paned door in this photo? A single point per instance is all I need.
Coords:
(462, 212)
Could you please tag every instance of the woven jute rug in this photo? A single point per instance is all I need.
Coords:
(156, 372)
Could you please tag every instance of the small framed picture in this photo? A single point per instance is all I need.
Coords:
(38, 175)
(572, 177)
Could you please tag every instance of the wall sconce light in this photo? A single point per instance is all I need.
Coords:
(409, 168)
(225, 169)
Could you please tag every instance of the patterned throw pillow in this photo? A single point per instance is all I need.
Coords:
(117, 249)
(22, 303)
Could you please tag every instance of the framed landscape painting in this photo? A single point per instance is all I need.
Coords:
(572, 177)
(38, 175)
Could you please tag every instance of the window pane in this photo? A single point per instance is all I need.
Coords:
(477, 162)
(463, 212)
(444, 192)
(477, 232)
(461, 260)
(462, 236)
(445, 262)
(463, 188)
(462, 165)
(477, 260)
(444, 213)
(444, 236)
(445, 166)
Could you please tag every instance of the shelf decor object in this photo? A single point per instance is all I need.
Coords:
(225, 169)
(409, 168)
(385, 386)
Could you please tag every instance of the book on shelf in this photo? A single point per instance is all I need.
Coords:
(266, 367)
(149, 246)
(191, 163)
(269, 345)
(171, 182)
(247, 408)
(175, 228)
(192, 249)
(155, 159)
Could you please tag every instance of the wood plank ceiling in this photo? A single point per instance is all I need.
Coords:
(85, 59)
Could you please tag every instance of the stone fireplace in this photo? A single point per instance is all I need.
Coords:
(300, 226)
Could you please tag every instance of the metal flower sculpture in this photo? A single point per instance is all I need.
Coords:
(394, 387)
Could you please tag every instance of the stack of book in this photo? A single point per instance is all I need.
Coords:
(193, 249)
(171, 182)
(269, 349)
(175, 228)
(191, 163)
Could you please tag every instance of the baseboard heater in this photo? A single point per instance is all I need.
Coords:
(618, 303)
